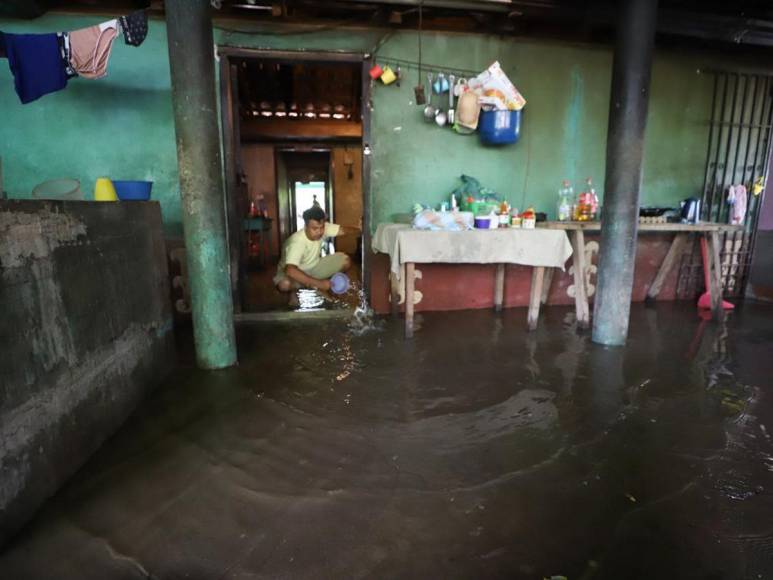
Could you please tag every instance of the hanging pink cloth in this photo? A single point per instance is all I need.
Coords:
(90, 49)
(736, 197)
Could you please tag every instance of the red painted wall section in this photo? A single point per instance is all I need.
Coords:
(469, 286)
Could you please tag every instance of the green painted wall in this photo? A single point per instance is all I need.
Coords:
(122, 126)
(564, 124)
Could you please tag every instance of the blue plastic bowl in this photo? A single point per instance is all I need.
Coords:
(132, 190)
(339, 283)
(499, 127)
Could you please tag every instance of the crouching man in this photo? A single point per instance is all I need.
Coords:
(301, 265)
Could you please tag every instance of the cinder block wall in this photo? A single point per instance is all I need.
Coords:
(86, 331)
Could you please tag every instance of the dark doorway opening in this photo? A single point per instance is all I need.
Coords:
(295, 130)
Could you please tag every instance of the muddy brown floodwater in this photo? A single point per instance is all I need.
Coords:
(477, 450)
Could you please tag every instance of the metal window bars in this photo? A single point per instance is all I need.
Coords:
(738, 151)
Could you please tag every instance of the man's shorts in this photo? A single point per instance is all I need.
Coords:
(323, 270)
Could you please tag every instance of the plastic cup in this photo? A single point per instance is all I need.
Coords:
(388, 76)
(104, 190)
(375, 71)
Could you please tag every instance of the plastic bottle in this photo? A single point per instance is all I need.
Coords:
(585, 203)
(593, 199)
(565, 195)
(504, 215)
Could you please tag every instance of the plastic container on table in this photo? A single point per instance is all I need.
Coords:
(58, 189)
(483, 222)
(132, 190)
(104, 190)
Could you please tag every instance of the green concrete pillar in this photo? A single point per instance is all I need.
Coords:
(191, 59)
(629, 100)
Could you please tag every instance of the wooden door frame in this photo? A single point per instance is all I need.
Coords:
(232, 147)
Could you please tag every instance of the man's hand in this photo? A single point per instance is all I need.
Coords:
(349, 231)
(295, 273)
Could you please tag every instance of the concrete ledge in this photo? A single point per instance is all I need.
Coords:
(292, 316)
(87, 331)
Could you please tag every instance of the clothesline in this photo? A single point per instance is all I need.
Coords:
(43, 63)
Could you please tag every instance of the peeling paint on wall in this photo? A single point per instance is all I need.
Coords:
(26, 236)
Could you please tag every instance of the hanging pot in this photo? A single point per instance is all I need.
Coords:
(499, 127)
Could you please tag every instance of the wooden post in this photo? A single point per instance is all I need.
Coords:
(547, 281)
(716, 278)
(674, 252)
(535, 296)
(580, 296)
(410, 278)
(499, 287)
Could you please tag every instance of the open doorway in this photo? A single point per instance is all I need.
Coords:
(305, 194)
(295, 130)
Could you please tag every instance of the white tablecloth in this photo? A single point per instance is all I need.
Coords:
(537, 247)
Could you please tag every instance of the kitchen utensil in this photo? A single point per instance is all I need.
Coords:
(339, 283)
(451, 112)
(441, 84)
(388, 76)
(500, 127)
(133, 190)
(653, 211)
(398, 75)
(104, 190)
(460, 86)
(441, 118)
(429, 110)
(468, 111)
(375, 71)
(58, 189)
(691, 210)
(418, 94)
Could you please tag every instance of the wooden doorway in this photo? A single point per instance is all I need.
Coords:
(261, 130)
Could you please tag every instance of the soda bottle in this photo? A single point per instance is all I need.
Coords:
(565, 195)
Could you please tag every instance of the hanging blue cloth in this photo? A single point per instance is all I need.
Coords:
(36, 63)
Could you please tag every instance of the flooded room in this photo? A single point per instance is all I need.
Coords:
(391, 289)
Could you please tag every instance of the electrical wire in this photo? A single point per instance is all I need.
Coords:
(421, 23)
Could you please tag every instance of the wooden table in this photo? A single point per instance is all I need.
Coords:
(576, 231)
(408, 247)
(535, 295)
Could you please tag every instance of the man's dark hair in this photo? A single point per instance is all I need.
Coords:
(315, 213)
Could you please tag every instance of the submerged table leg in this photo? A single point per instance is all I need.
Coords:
(580, 296)
(674, 252)
(535, 296)
(409, 286)
(394, 292)
(716, 278)
(499, 287)
(547, 281)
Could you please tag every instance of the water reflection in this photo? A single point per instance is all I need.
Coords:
(489, 451)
